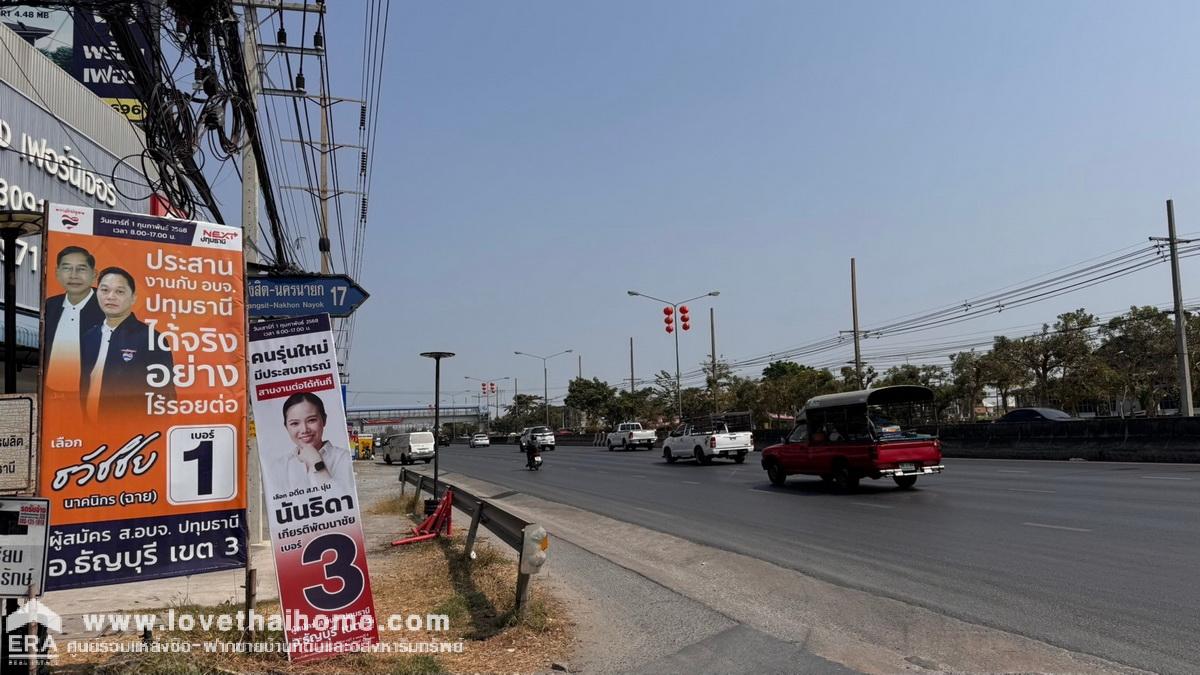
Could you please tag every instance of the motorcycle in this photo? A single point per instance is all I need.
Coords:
(533, 459)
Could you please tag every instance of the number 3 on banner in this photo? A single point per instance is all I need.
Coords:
(342, 568)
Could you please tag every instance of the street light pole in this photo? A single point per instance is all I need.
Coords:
(545, 378)
(437, 409)
(674, 307)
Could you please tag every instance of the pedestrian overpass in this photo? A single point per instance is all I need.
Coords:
(377, 419)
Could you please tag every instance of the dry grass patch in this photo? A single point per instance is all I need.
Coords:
(431, 577)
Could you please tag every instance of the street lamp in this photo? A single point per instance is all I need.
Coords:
(545, 378)
(491, 381)
(437, 408)
(674, 306)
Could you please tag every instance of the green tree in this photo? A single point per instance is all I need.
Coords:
(969, 372)
(1138, 349)
(1004, 370)
(595, 398)
(781, 369)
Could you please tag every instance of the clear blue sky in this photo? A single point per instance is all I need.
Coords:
(538, 159)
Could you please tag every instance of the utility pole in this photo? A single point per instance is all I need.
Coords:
(1181, 347)
(254, 489)
(858, 370)
(323, 244)
(581, 366)
(631, 365)
(712, 329)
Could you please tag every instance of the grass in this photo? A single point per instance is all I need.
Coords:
(433, 577)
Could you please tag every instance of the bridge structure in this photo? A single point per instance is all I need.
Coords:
(378, 419)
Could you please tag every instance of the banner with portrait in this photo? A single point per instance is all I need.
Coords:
(308, 477)
(143, 397)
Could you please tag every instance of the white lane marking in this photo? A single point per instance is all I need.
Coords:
(874, 506)
(637, 476)
(1058, 527)
(1040, 492)
(1166, 478)
(690, 482)
(1011, 471)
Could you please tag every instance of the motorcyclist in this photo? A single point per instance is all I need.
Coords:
(531, 451)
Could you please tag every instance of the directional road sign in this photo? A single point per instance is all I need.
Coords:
(276, 297)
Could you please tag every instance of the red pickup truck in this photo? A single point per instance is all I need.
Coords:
(846, 437)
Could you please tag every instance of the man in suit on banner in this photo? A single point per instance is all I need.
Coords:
(69, 317)
(116, 354)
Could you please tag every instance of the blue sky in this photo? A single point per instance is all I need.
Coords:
(538, 159)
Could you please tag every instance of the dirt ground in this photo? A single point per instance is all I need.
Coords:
(425, 578)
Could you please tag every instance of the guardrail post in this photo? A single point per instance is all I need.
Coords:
(522, 595)
(475, 518)
(403, 476)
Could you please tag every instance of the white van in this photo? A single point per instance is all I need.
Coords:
(408, 447)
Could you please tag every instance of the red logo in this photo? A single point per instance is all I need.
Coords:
(218, 234)
(69, 221)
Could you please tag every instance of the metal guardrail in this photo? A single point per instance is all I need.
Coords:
(522, 535)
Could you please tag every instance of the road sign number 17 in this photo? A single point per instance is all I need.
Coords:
(339, 295)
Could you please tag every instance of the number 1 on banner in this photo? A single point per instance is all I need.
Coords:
(201, 464)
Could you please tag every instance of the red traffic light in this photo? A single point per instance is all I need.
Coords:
(670, 328)
(668, 311)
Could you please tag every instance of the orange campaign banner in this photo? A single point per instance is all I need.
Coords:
(143, 397)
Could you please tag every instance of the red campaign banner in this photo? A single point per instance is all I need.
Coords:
(143, 397)
(312, 500)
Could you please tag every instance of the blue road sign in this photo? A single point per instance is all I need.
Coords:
(300, 295)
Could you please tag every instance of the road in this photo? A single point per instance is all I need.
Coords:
(1092, 557)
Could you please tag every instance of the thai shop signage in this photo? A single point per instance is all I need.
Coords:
(143, 397)
(308, 476)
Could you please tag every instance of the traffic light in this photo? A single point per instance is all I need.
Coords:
(683, 318)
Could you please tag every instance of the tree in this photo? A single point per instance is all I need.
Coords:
(925, 376)
(850, 378)
(785, 394)
(593, 397)
(1003, 369)
(781, 369)
(1138, 349)
(968, 370)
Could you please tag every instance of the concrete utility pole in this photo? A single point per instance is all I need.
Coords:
(858, 369)
(712, 330)
(254, 489)
(581, 366)
(631, 380)
(1181, 347)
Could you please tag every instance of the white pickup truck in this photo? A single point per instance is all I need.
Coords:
(631, 435)
(702, 444)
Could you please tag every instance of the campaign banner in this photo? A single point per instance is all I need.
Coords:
(143, 397)
(308, 476)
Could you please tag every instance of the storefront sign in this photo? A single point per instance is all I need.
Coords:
(24, 528)
(308, 476)
(143, 397)
(18, 439)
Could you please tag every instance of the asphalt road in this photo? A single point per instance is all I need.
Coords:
(1093, 557)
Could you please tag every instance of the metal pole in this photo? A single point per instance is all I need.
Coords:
(1185, 377)
(581, 366)
(437, 410)
(712, 328)
(678, 385)
(10, 235)
(254, 488)
(546, 391)
(858, 371)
